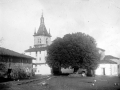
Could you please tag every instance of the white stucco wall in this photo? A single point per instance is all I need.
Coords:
(43, 69)
(118, 63)
(40, 57)
(67, 70)
(110, 69)
(33, 54)
(43, 40)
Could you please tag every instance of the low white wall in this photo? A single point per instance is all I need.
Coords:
(43, 69)
(67, 70)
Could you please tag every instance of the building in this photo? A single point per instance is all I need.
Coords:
(14, 60)
(42, 39)
(109, 65)
(102, 53)
(115, 59)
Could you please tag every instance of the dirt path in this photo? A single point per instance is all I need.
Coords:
(71, 83)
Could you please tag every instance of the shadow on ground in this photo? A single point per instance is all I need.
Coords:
(4, 86)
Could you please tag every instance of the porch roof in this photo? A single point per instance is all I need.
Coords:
(36, 49)
(101, 49)
(107, 62)
(108, 57)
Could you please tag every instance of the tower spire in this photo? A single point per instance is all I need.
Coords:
(49, 32)
(35, 31)
(42, 18)
(42, 29)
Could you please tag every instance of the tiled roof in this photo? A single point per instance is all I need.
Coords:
(101, 49)
(36, 49)
(8, 52)
(107, 62)
(108, 57)
(42, 29)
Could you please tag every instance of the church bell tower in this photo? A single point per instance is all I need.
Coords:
(42, 38)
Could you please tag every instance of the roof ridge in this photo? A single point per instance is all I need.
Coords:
(8, 52)
(108, 61)
(110, 57)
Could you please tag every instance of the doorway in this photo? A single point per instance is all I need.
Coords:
(103, 71)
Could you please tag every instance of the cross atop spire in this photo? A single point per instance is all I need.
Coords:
(42, 18)
(42, 13)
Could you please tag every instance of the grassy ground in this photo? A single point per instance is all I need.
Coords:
(84, 83)
(71, 83)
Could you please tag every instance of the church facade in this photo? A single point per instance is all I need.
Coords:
(42, 39)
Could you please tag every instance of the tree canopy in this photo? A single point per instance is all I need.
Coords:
(75, 50)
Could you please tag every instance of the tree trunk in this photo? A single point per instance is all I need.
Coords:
(56, 71)
(89, 72)
(75, 69)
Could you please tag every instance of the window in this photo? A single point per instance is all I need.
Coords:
(40, 58)
(118, 66)
(36, 54)
(46, 40)
(39, 40)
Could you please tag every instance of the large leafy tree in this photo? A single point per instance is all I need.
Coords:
(75, 50)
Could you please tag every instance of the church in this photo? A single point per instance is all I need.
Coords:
(42, 39)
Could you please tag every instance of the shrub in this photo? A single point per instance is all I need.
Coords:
(4, 86)
(3, 69)
(18, 73)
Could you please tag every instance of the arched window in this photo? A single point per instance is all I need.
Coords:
(39, 40)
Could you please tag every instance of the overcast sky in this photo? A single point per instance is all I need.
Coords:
(98, 18)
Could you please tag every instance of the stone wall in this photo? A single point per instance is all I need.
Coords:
(16, 62)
